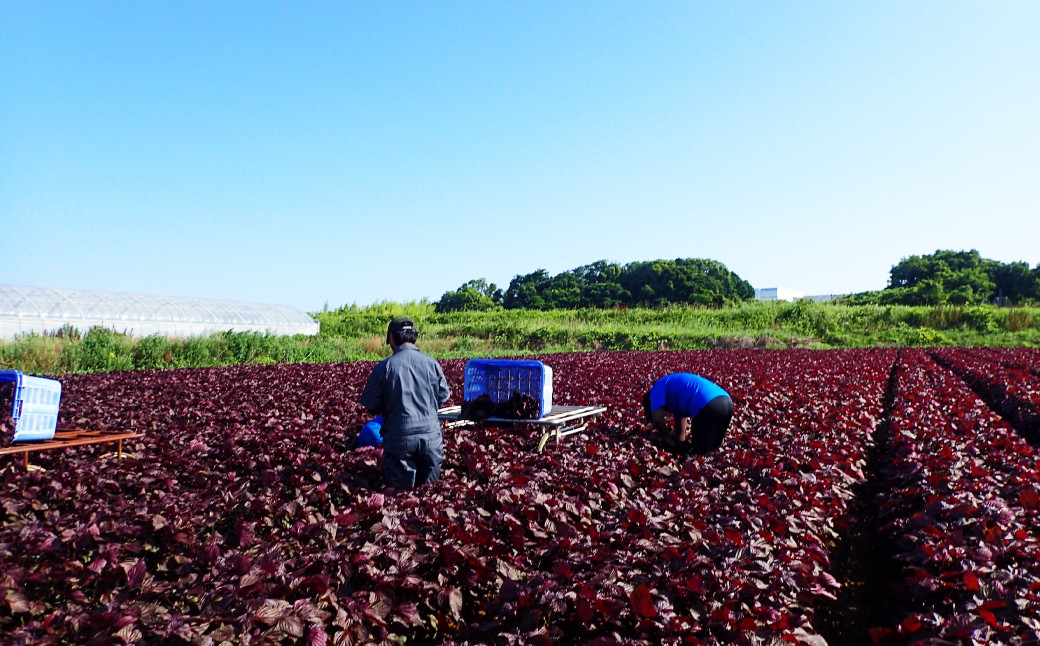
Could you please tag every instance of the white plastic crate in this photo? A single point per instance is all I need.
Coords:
(34, 406)
(500, 379)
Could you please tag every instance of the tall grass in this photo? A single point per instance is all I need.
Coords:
(358, 333)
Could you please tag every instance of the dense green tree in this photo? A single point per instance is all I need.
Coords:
(606, 284)
(563, 291)
(525, 292)
(598, 273)
(1015, 281)
(684, 280)
(959, 278)
(940, 265)
(605, 295)
(655, 282)
(475, 295)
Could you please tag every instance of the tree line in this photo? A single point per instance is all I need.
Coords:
(945, 277)
(602, 284)
(956, 278)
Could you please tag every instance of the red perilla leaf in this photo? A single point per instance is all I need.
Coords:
(642, 603)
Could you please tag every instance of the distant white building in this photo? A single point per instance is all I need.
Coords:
(778, 294)
(824, 298)
(791, 295)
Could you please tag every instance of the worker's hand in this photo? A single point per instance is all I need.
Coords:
(682, 428)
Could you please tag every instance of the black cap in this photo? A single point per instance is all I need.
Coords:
(399, 323)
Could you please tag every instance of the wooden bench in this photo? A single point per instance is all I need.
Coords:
(71, 437)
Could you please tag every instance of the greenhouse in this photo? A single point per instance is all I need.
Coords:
(42, 310)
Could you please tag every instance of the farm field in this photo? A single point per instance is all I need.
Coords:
(862, 496)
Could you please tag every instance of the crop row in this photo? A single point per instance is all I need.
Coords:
(1008, 381)
(960, 509)
(1027, 359)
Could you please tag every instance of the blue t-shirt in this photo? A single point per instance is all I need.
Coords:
(683, 394)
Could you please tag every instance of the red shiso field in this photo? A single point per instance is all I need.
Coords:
(244, 517)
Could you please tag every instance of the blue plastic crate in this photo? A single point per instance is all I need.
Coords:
(500, 379)
(34, 407)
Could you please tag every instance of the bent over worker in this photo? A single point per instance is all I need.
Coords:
(702, 411)
(407, 388)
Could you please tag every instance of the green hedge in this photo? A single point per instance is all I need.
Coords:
(358, 333)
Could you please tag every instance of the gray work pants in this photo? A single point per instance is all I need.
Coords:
(412, 460)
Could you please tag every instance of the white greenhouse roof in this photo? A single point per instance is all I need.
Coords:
(40, 310)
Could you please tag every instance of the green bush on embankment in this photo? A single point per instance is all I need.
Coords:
(357, 333)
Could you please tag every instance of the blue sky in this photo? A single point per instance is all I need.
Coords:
(313, 153)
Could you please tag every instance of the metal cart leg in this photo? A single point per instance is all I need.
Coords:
(545, 438)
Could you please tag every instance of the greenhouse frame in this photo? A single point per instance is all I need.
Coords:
(44, 310)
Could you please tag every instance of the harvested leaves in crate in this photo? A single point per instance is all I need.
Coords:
(519, 406)
(478, 409)
(6, 421)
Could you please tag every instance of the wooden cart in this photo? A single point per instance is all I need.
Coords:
(70, 437)
(560, 421)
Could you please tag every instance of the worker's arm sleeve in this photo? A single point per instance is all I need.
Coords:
(658, 394)
(372, 395)
(443, 391)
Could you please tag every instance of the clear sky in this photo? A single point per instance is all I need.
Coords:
(307, 153)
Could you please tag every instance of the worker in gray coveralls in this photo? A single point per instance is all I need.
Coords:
(407, 388)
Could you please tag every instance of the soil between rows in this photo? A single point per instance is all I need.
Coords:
(862, 559)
